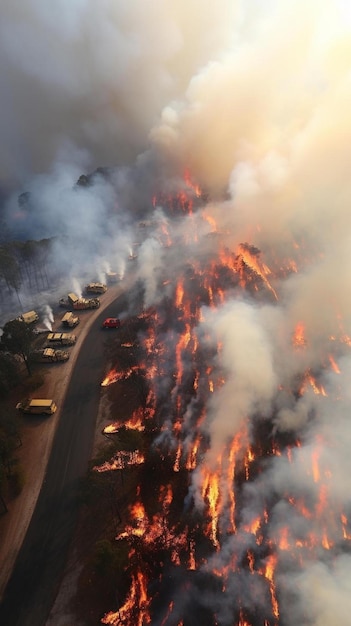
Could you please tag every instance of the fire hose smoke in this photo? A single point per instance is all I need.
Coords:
(48, 319)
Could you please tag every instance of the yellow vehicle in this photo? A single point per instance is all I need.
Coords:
(30, 317)
(65, 339)
(79, 303)
(96, 288)
(37, 406)
(70, 320)
(49, 355)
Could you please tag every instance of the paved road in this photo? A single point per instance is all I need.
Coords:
(34, 583)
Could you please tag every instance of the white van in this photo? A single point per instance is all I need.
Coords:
(37, 406)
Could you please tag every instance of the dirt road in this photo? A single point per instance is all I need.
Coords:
(38, 437)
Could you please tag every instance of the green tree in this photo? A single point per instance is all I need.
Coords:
(17, 338)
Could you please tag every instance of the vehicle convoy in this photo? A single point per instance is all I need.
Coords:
(111, 322)
(95, 288)
(72, 301)
(65, 339)
(49, 355)
(37, 406)
(70, 319)
(29, 318)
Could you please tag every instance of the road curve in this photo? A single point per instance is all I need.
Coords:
(34, 583)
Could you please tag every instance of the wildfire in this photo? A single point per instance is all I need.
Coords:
(211, 495)
(251, 259)
(121, 460)
(299, 340)
(114, 376)
(203, 518)
(136, 608)
(310, 381)
(195, 188)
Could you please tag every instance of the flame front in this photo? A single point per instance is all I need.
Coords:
(206, 516)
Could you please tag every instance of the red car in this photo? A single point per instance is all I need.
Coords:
(111, 322)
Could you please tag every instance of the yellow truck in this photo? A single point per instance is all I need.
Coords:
(95, 288)
(37, 406)
(78, 304)
(49, 355)
(70, 320)
(63, 339)
(29, 318)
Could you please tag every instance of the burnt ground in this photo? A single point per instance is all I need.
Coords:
(98, 573)
(95, 580)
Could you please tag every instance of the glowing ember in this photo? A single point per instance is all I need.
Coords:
(121, 460)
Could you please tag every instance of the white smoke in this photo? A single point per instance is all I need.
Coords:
(247, 361)
(48, 318)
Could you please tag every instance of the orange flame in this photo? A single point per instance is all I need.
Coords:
(299, 340)
(135, 610)
(254, 264)
(114, 376)
(211, 495)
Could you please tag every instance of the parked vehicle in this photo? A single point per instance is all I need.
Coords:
(70, 319)
(69, 301)
(49, 355)
(111, 322)
(95, 288)
(72, 301)
(29, 318)
(65, 339)
(37, 406)
(112, 277)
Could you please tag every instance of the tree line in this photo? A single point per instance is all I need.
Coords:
(23, 265)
